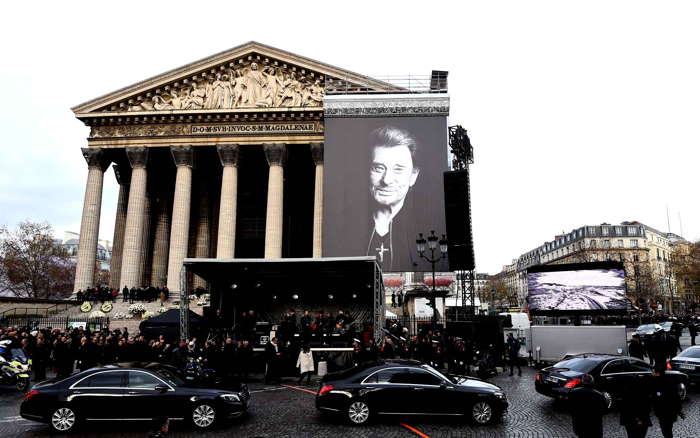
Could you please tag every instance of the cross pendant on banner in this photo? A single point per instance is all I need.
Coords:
(381, 250)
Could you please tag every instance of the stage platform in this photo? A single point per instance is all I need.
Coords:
(272, 287)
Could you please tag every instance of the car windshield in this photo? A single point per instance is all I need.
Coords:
(646, 327)
(693, 353)
(171, 378)
(580, 365)
(666, 324)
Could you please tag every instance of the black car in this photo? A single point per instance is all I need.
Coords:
(117, 393)
(688, 362)
(406, 387)
(611, 374)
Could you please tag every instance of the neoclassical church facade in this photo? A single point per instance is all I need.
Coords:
(220, 158)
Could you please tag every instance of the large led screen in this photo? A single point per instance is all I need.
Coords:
(577, 289)
(383, 184)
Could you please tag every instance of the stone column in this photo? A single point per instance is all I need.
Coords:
(90, 222)
(317, 155)
(134, 228)
(276, 155)
(115, 266)
(161, 240)
(226, 239)
(201, 249)
(145, 263)
(183, 156)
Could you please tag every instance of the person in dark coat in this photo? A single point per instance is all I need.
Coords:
(693, 330)
(273, 354)
(635, 411)
(665, 400)
(588, 406)
(513, 351)
(245, 356)
(40, 359)
(636, 349)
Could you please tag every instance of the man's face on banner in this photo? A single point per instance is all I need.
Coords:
(391, 174)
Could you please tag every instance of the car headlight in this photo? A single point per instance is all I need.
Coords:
(230, 398)
(500, 395)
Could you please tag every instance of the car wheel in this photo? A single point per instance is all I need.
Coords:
(482, 412)
(203, 416)
(358, 412)
(608, 400)
(682, 391)
(63, 419)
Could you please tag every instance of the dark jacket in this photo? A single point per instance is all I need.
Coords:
(635, 406)
(588, 406)
(665, 398)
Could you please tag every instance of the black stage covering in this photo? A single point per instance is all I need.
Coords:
(272, 288)
(168, 325)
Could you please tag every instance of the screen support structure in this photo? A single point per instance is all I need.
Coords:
(379, 298)
(184, 306)
(462, 156)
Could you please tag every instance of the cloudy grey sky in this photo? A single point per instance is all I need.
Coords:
(579, 112)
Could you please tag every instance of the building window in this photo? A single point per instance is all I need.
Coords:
(606, 231)
(634, 243)
(606, 243)
(591, 231)
(618, 231)
(632, 231)
(620, 243)
(594, 257)
(635, 257)
(608, 256)
(593, 244)
(658, 254)
(622, 257)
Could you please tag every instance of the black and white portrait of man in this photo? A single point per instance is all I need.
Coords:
(393, 171)
(383, 185)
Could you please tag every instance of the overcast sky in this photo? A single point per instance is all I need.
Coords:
(579, 112)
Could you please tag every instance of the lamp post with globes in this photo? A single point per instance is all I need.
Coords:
(432, 242)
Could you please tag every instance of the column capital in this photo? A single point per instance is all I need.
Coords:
(228, 154)
(182, 155)
(317, 153)
(276, 153)
(137, 157)
(122, 174)
(95, 158)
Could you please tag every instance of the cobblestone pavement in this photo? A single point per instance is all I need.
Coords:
(285, 411)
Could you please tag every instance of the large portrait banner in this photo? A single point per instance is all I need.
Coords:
(383, 184)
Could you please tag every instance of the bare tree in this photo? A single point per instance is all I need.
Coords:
(32, 264)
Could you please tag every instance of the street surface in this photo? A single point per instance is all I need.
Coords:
(288, 410)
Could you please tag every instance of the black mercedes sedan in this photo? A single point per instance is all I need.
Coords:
(688, 362)
(405, 387)
(612, 374)
(118, 393)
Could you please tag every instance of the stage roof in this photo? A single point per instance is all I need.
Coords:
(327, 273)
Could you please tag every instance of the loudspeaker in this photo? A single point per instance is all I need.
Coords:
(460, 251)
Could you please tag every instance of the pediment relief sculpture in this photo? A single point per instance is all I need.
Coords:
(245, 87)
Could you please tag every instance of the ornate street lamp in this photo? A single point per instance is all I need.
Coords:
(433, 243)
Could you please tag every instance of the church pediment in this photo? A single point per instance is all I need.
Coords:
(251, 76)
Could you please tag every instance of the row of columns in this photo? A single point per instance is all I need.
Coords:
(171, 239)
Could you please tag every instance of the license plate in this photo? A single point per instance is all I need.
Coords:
(685, 366)
(552, 379)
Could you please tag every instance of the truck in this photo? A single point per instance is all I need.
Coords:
(552, 343)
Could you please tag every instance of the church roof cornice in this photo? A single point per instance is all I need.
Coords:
(251, 48)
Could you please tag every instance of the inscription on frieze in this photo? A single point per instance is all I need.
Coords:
(165, 130)
(256, 128)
